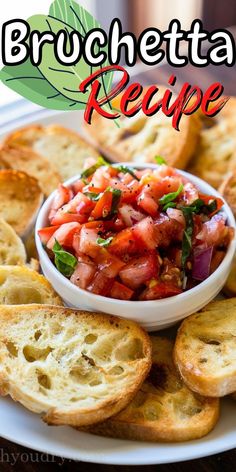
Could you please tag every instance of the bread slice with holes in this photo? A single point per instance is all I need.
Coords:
(215, 155)
(72, 367)
(229, 288)
(141, 138)
(228, 190)
(26, 160)
(164, 409)
(205, 349)
(12, 250)
(64, 149)
(21, 198)
(21, 285)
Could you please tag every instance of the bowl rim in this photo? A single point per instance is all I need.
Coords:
(148, 303)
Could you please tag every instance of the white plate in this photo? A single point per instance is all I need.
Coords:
(25, 428)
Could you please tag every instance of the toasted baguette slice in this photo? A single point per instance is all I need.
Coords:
(141, 138)
(205, 349)
(229, 288)
(65, 149)
(71, 366)
(21, 285)
(30, 246)
(228, 190)
(215, 155)
(24, 159)
(12, 250)
(164, 409)
(20, 197)
(34, 264)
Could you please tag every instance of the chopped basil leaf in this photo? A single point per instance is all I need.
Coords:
(199, 206)
(104, 242)
(90, 171)
(170, 197)
(210, 207)
(169, 205)
(187, 237)
(93, 196)
(64, 261)
(186, 247)
(127, 170)
(116, 194)
(160, 160)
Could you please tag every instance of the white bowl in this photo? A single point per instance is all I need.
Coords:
(153, 314)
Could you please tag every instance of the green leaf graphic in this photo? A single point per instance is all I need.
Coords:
(51, 84)
(28, 81)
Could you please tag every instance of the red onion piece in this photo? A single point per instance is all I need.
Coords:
(201, 263)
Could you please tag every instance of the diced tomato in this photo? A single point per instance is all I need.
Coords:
(165, 171)
(129, 215)
(124, 243)
(78, 209)
(100, 179)
(160, 290)
(146, 201)
(78, 186)
(103, 206)
(108, 263)
(90, 188)
(100, 284)
(125, 178)
(99, 225)
(64, 235)
(63, 196)
(46, 233)
(209, 198)
(61, 217)
(121, 292)
(83, 274)
(129, 192)
(166, 185)
(167, 230)
(116, 225)
(177, 215)
(81, 204)
(88, 241)
(76, 243)
(139, 270)
(144, 233)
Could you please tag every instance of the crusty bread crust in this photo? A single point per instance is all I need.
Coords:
(65, 149)
(22, 284)
(229, 288)
(21, 198)
(12, 250)
(215, 155)
(25, 159)
(91, 364)
(228, 190)
(205, 349)
(141, 138)
(164, 409)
